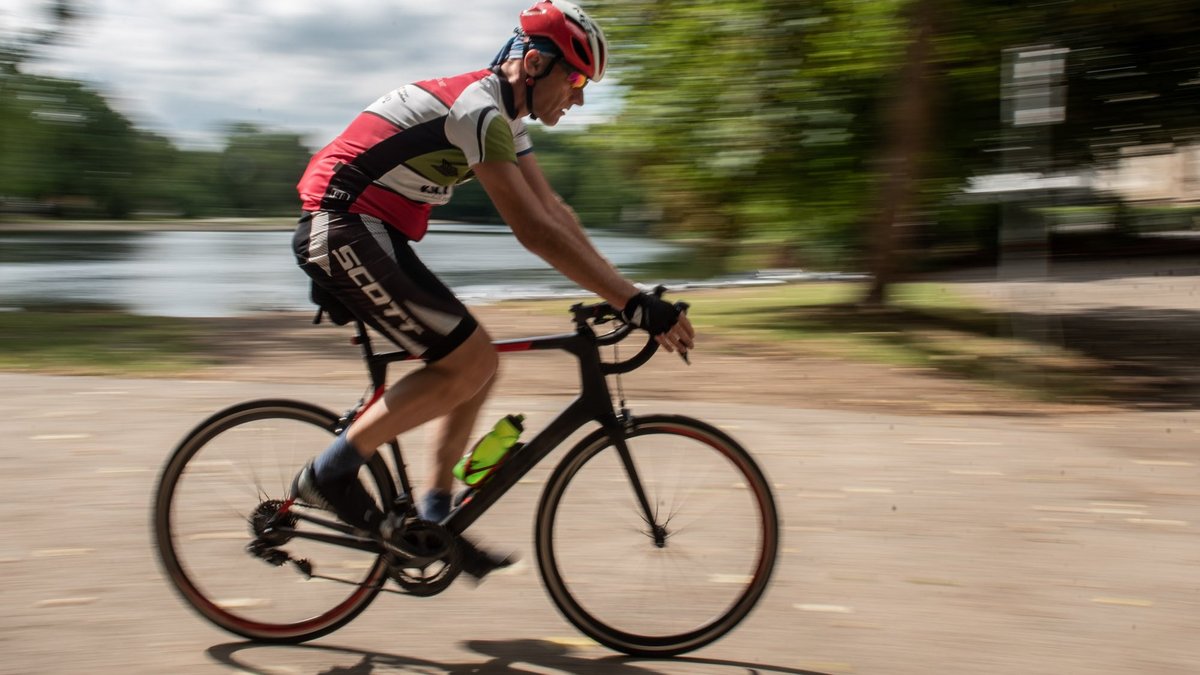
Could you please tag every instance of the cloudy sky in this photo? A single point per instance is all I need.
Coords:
(186, 68)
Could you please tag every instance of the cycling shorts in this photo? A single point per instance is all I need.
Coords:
(370, 266)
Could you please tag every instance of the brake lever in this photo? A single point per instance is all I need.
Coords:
(682, 308)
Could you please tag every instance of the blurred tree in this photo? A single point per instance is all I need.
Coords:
(17, 48)
(69, 149)
(837, 127)
(590, 176)
(907, 125)
(753, 120)
(584, 170)
(259, 170)
(824, 132)
(1132, 84)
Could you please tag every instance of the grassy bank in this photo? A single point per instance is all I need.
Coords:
(98, 342)
(928, 328)
(29, 224)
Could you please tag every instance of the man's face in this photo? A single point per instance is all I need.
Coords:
(558, 92)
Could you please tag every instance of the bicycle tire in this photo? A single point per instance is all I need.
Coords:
(253, 429)
(604, 543)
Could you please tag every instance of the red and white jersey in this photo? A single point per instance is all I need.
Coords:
(405, 153)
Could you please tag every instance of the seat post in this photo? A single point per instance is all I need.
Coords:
(376, 368)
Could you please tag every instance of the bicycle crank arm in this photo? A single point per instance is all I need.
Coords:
(406, 557)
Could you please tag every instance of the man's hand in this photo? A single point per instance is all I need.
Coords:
(666, 322)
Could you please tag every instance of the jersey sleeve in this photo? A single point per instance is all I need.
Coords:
(522, 143)
(482, 135)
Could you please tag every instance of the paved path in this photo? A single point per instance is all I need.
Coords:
(935, 544)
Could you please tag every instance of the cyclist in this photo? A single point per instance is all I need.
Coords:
(368, 194)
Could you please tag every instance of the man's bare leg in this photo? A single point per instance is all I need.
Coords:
(455, 387)
(434, 391)
(454, 433)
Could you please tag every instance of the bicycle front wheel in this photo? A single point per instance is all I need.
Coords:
(238, 464)
(678, 578)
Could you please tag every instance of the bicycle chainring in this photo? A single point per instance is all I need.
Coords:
(427, 578)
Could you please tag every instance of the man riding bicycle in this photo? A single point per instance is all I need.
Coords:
(368, 194)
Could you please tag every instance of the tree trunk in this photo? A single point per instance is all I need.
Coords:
(907, 137)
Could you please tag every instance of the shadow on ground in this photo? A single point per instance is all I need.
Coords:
(497, 657)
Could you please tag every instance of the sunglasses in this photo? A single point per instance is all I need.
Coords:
(576, 79)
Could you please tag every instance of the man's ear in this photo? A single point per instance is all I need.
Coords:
(534, 62)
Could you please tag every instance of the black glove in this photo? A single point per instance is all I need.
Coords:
(650, 313)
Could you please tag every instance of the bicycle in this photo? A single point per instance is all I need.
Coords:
(629, 566)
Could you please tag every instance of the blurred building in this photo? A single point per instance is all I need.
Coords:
(1154, 174)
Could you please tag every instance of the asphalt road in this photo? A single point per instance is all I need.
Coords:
(931, 544)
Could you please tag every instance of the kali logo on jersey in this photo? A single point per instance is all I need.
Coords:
(447, 168)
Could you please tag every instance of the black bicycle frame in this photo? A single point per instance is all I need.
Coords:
(593, 404)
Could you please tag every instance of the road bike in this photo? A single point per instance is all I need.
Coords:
(655, 535)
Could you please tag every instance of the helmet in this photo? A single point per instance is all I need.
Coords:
(579, 38)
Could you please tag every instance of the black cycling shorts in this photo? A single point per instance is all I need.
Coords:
(370, 266)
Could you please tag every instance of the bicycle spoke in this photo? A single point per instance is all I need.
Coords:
(226, 478)
(676, 580)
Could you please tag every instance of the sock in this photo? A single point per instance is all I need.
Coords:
(435, 505)
(339, 461)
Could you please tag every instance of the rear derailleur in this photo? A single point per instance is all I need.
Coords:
(271, 526)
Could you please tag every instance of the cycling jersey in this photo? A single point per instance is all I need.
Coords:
(405, 153)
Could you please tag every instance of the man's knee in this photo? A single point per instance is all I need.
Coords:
(473, 364)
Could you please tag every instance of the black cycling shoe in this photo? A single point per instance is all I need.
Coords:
(478, 563)
(347, 498)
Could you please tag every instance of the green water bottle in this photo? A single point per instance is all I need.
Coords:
(477, 465)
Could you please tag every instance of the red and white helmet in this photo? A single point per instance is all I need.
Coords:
(579, 38)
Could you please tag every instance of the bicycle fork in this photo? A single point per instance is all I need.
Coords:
(616, 431)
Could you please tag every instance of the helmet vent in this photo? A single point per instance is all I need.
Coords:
(581, 51)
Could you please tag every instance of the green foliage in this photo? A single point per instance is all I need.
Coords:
(753, 125)
(67, 147)
(583, 168)
(258, 170)
(97, 342)
(752, 119)
(928, 326)
(66, 152)
(763, 118)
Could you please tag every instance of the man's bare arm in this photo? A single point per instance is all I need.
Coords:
(550, 236)
(549, 228)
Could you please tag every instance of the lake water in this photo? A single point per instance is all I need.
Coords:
(222, 273)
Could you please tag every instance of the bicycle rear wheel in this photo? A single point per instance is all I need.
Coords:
(237, 463)
(682, 579)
